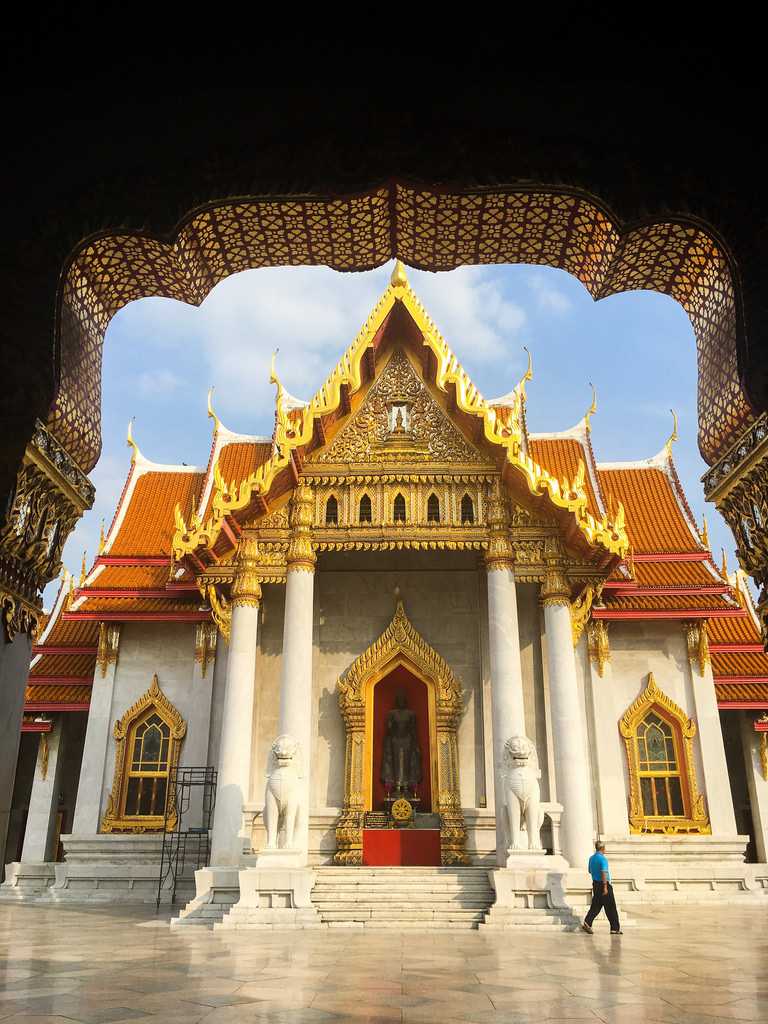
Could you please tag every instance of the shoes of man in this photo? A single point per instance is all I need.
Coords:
(619, 932)
(585, 927)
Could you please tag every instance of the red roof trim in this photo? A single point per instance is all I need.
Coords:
(630, 590)
(755, 705)
(126, 592)
(132, 560)
(737, 680)
(672, 556)
(38, 705)
(37, 726)
(736, 648)
(676, 613)
(129, 617)
(60, 681)
(53, 649)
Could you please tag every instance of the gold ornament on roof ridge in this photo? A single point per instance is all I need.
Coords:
(135, 453)
(294, 428)
(211, 413)
(592, 409)
(673, 436)
(398, 278)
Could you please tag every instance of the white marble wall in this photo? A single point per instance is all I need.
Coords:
(637, 648)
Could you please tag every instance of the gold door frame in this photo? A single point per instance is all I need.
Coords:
(400, 644)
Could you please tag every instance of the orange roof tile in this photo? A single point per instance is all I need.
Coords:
(664, 602)
(675, 574)
(734, 631)
(64, 665)
(181, 603)
(237, 460)
(57, 695)
(742, 692)
(737, 664)
(148, 525)
(654, 519)
(560, 457)
(118, 577)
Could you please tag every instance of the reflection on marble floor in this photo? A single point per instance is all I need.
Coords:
(100, 964)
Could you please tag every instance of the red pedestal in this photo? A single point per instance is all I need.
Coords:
(401, 847)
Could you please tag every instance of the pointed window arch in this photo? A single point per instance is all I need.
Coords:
(365, 511)
(149, 739)
(332, 511)
(398, 509)
(663, 791)
(467, 510)
(433, 508)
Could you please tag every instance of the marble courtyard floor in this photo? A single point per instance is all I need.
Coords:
(100, 964)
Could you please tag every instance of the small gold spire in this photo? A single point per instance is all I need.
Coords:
(71, 594)
(130, 442)
(211, 414)
(83, 572)
(102, 538)
(673, 436)
(398, 279)
(528, 375)
(704, 530)
(724, 567)
(631, 561)
(273, 377)
(592, 409)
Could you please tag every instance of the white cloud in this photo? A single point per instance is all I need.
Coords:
(548, 296)
(158, 382)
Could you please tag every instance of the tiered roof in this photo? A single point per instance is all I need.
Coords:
(173, 521)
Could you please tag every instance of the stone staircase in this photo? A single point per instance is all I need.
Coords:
(533, 911)
(209, 909)
(402, 898)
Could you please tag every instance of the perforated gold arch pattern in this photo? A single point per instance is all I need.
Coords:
(427, 229)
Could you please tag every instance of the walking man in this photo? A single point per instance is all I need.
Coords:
(602, 892)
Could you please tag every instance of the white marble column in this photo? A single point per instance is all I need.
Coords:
(90, 788)
(296, 667)
(44, 799)
(233, 789)
(756, 767)
(507, 706)
(714, 765)
(574, 783)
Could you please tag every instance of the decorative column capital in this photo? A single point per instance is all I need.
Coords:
(555, 589)
(246, 589)
(500, 553)
(301, 555)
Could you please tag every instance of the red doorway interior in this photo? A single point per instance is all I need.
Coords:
(401, 680)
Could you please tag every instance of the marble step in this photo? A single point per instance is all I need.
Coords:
(520, 919)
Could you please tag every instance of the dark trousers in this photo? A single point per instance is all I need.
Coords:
(603, 901)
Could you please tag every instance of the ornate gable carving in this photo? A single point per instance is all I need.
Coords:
(433, 436)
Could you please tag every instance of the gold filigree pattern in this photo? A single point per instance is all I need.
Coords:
(400, 643)
(694, 819)
(364, 438)
(115, 818)
(205, 645)
(246, 588)
(108, 646)
(598, 644)
(581, 609)
(697, 643)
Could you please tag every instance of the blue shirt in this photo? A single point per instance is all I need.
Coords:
(598, 863)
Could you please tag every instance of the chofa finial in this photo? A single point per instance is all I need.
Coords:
(211, 414)
(592, 409)
(130, 441)
(673, 436)
(398, 278)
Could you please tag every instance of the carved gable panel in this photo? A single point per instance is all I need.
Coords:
(425, 430)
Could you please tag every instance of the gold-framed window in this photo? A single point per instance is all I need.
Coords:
(148, 739)
(663, 791)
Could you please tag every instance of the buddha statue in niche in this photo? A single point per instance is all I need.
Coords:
(401, 757)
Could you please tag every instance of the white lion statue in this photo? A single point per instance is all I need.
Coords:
(282, 799)
(522, 794)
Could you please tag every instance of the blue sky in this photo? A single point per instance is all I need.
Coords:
(161, 356)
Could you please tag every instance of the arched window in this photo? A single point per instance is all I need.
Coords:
(148, 743)
(663, 793)
(331, 511)
(467, 510)
(433, 509)
(366, 514)
(398, 509)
